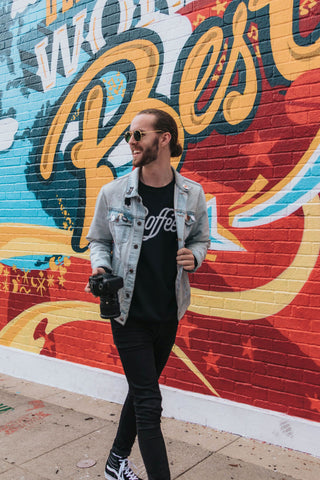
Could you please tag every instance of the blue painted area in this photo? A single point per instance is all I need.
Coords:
(23, 106)
(18, 203)
(28, 262)
(218, 241)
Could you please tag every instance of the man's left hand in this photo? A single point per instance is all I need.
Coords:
(185, 258)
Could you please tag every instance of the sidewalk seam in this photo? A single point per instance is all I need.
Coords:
(193, 466)
(227, 445)
(59, 446)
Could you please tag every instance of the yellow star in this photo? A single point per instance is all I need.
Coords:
(200, 19)
(220, 7)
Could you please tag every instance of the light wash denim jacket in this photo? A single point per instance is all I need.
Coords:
(117, 228)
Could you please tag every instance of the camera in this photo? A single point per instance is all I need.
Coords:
(106, 287)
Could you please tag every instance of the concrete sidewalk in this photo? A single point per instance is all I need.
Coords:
(48, 433)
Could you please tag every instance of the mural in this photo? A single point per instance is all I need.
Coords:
(241, 78)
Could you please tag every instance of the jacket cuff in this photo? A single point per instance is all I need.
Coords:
(106, 269)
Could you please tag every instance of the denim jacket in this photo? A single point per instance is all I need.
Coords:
(117, 228)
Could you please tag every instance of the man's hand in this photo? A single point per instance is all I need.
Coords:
(185, 258)
(95, 271)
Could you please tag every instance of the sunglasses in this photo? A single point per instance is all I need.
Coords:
(138, 134)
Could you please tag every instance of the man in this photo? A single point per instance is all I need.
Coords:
(151, 228)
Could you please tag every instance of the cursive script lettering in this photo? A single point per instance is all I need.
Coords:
(165, 220)
(236, 105)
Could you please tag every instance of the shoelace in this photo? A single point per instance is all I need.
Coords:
(125, 468)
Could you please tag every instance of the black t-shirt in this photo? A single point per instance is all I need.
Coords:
(154, 297)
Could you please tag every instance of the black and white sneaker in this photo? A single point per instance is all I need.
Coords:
(119, 468)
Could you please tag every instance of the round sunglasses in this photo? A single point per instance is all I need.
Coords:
(138, 134)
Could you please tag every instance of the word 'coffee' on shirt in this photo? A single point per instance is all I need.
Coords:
(154, 223)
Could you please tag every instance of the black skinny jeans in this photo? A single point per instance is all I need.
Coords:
(144, 350)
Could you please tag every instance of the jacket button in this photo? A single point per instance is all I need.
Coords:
(139, 223)
(131, 270)
(127, 295)
(135, 246)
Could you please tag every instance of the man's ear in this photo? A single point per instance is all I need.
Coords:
(165, 138)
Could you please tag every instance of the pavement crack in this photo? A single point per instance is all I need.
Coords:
(227, 445)
(193, 466)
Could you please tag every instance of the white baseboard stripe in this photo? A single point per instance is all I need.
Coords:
(225, 415)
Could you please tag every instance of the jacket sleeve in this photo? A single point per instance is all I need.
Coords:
(99, 235)
(198, 240)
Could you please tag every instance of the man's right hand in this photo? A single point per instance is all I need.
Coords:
(95, 271)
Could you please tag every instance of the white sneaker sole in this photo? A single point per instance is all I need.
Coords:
(108, 477)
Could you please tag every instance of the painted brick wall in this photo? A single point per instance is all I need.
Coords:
(241, 78)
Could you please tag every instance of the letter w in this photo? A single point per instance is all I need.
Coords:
(60, 41)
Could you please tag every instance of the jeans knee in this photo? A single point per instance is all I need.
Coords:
(148, 411)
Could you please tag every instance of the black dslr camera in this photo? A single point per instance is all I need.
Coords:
(106, 287)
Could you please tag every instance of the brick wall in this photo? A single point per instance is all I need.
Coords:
(242, 81)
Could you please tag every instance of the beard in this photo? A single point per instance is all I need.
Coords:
(149, 155)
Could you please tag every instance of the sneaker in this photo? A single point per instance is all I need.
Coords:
(119, 468)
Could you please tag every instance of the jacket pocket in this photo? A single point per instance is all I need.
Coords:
(189, 221)
(120, 226)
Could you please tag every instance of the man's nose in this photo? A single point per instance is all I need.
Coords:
(132, 141)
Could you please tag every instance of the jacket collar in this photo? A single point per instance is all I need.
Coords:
(133, 183)
(180, 181)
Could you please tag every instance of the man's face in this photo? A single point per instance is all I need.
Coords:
(144, 151)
